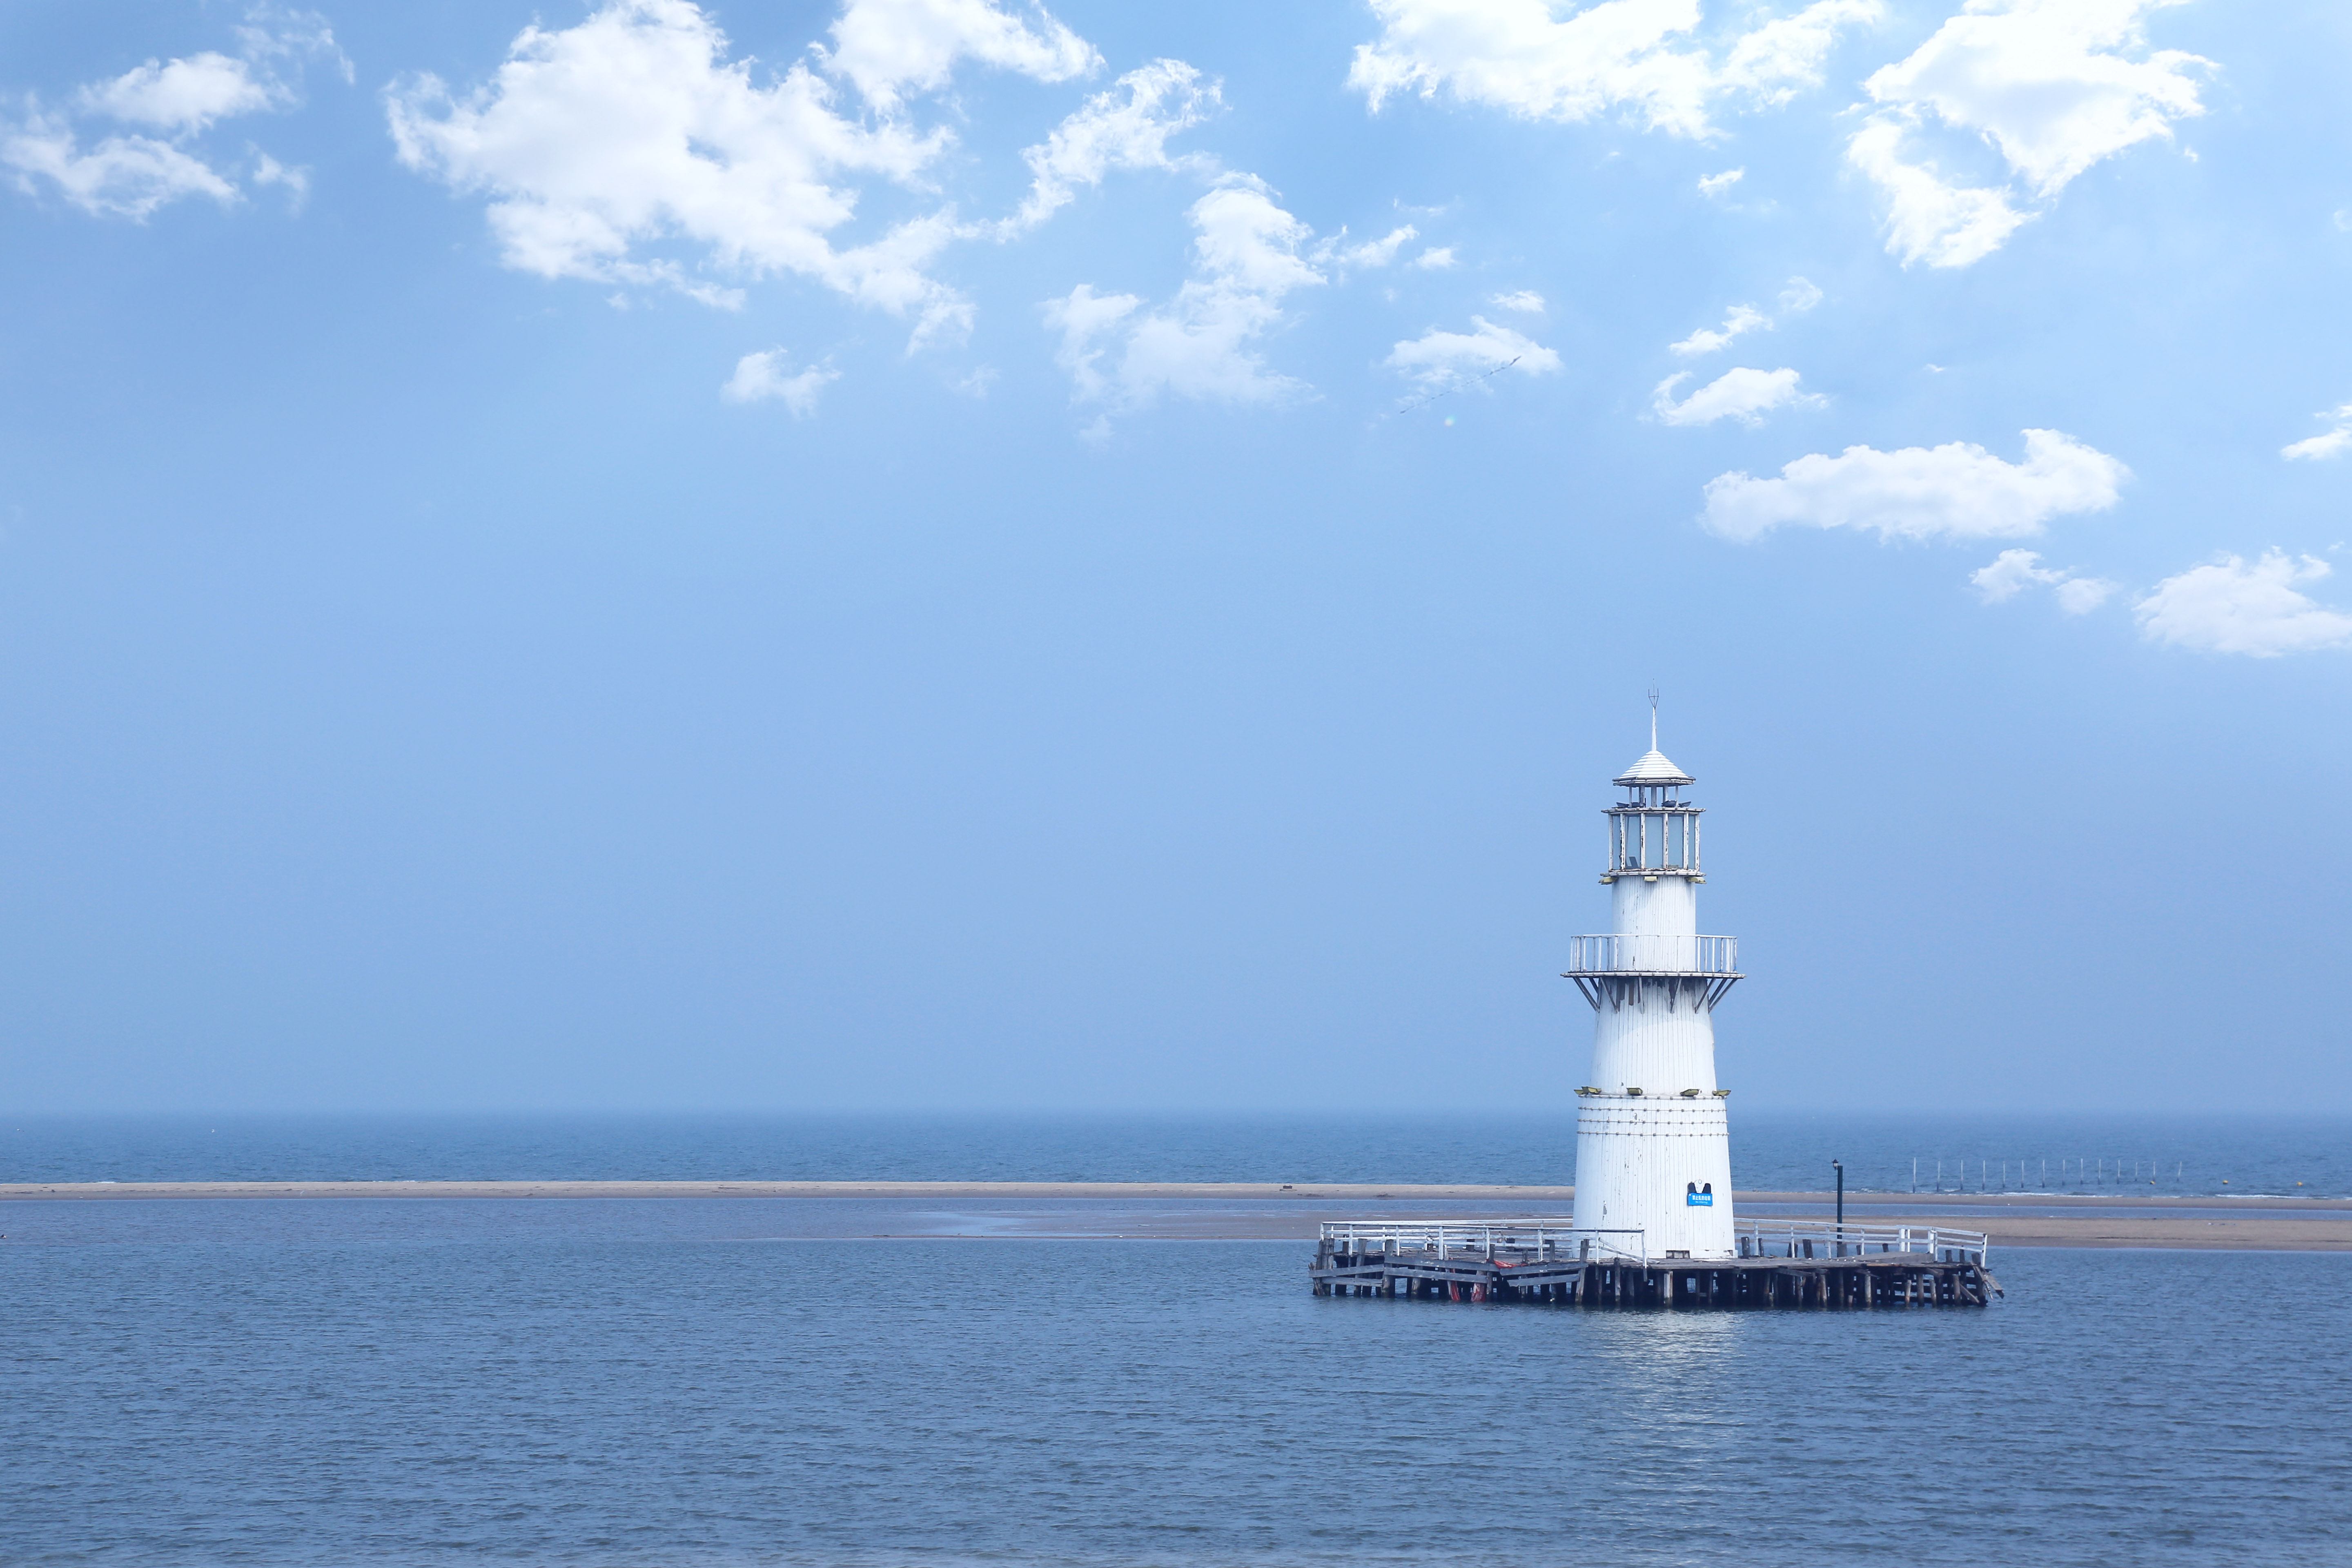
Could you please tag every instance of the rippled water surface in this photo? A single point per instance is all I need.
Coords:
(665, 1383)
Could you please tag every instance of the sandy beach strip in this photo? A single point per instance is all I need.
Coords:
(1524, 1200)
(1273, 1211)
(1520, 1199)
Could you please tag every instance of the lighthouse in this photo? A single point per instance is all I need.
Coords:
(1652, 1147)
(1653, 1226)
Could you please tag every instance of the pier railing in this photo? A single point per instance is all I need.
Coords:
(1556, 1240)
(1827, 1239)
(1530, 1240)
(1618, 953)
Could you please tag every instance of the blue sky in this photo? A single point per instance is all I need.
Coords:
(944, 554)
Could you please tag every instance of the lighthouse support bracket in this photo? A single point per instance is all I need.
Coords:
(1705, 989)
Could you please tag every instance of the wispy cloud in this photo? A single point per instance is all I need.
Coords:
(2332, 442)
(174, 102)
(608, 147)
(1439, 359)
(760, 377)
(2233, 606)
(1738, 394)
(2014, 571)
(120, 176)
(887, 49)
(2055, 85)
(1528, 58)
(633, 147)
(1799, 297)
(1928, 218)
(1126, 127)
(1737, 321)
(1958, 491)
(1371, 253)
(1246, 259)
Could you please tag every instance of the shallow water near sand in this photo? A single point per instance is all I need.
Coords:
(667, 1382)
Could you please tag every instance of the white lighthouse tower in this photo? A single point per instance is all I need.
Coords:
(1653, 1151)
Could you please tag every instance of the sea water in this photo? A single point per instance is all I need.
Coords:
(2309, 1156)
(675, 1382)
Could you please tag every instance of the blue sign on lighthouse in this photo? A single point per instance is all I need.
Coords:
(1700, 1197)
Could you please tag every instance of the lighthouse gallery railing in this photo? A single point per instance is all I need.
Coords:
(1616, 954)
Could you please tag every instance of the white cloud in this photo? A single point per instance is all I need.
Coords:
(1524, 56)
(2081, 596)
(1798, 298)
(122, 176)
(762, 376)
(1124, 128)
(886, 47)
(2014, 571)
(2055, 85)
(1716, 184)
(2044, 82)
(2011, 574)
(1371, 253)
(1201, 344)
(1241, 236)
(2230, 607)
(599, 143)
(268, 171)
(1928, 218)
(1436, 258)
(1773, 62)
(1740, 320)
(2331, 443)
(178, 99)
(1439, 358)
(1085, 318)
(1959, 491)
(1740, 394)
(1524, 300)
(184, 94)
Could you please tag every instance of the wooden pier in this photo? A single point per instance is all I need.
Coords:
(1784, 1264)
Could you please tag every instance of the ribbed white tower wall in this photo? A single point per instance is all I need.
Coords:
(1652, 1146)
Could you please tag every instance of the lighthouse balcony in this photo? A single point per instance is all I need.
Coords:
(1619, 970)
(1619, 955)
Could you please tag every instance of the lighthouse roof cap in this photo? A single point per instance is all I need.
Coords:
(1653, 769)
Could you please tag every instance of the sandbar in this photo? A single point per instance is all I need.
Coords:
(1274, 1211)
